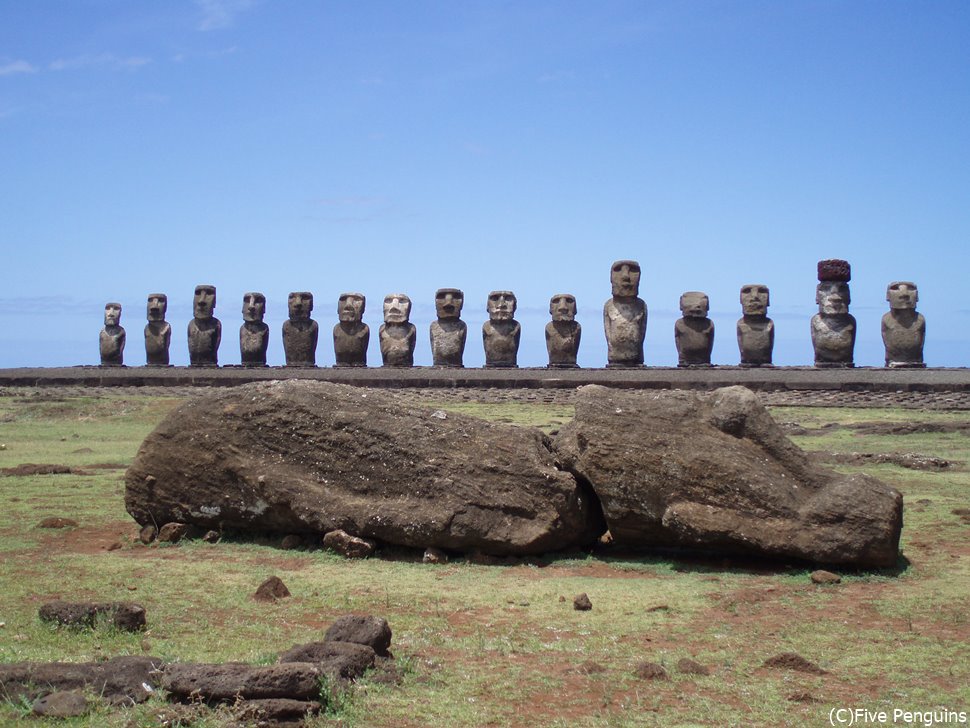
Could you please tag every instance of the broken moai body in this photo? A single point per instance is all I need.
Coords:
(903, 328)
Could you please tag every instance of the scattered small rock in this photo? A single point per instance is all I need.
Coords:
(126, 616)
(61, 704)
(211, 537)
(582, 603)
(57, 522)
(271, 590)
(362, 629)
(803, 696)
(659, 608)
(290, 542)
(692, 667)
(172, 532)
(114, 546)
(590, 667)
(274, 711)
(147, 534)
(434, 556)
(825, 577)
(794, 661)
(350, 546)
(650, 671)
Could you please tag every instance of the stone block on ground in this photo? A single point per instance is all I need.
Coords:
(126, 616)
(345, 660)
(361, 629)
(294, 680)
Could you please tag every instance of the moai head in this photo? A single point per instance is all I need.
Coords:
(562, 307)
(694, 304)
(832, 297)
(253, 306)
(501, 305)
(397, 308)
(625, 277)
(112, 314)
(204, 303)
(157, 306)
(902, 295)
(300, 305)
(754, 299)
(448, 303)
(350, 307)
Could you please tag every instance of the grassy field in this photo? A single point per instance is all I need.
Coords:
(500, 645)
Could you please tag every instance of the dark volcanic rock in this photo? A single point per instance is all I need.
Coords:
(361, 629)
(125, 616)
(350, 546)
(295, 680)
(120, 680)
(271, 590)
(57, 522)
(794, 661)
(714, 471)
(275, 710)
(304, 457)
(582, 603)
(62, 704)
(172, 532)
(650, 671)
(346, 660)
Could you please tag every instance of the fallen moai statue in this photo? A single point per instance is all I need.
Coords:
(709, 471)
(715, 471)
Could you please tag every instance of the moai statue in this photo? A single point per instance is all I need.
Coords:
(833, 327)
(448, 332)
(501, 333)
(253, 334)
(694, 333)
(397, 333)
(756, 332)
(205, 330)
(625, 317)
(903, 329)
(158, 331)
(351, 335)
(300, 332)
(112, 337)
(563, 332)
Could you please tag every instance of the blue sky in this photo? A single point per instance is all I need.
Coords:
(406, 146)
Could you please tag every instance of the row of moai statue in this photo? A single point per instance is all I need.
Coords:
(624, 320)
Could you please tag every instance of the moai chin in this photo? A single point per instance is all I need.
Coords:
(112, 338)
(756, 332)
(694, 333)
(205, 330)
(397, 334)
(254, 333)
(563, 332)
(833, 327)
(903, 328)
(351, 335)
(158, 332)
(300, 332)
(501, 333)
(448, 332)
(625, 317)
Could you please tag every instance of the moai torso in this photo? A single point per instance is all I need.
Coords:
(694, 333)
(112, 337)
(903, 328)
(833, 327)
(204, 331)
(756, 332)
(300, 332)
(448, 332)
(397, 334)
(563, 332)
(501, 333)
(625, 317)
(158, 332)
(253, 334)
(351, 336)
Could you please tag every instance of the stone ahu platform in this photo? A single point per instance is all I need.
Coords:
(775, 379)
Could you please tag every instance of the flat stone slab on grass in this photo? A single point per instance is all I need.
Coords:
(120, 680)
(294, 680)
(126, 616)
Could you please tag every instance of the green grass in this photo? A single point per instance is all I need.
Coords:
(495, 645)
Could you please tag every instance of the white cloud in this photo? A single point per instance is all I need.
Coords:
(103, 59)
(217, 14)
(10, 69)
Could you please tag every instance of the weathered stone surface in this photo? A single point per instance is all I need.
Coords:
(650, 671)
(254, 333)
(903, 328)
(351, 336)
(57, 522)
(303, 457)
(275, 711)
(344, 660)
(563, 333)
(821, 576)
(147, 533)
(126, 616)
(271, 590)
(714, 471)
(361, 629)
(205, 330)
(448, 331)
(687, 666)
(397, 334)
(694, 333)
(794, 661)
(501, 333)
(300, 332)
(295, 680)
(833, 327)
(61, 704)
(834, 269)
(582, 603)
(625, 317)
(120, 680)
(756, 332)
(158, 332)
(112, 337)
(172, 532)
(350, 546)
(434, 556)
